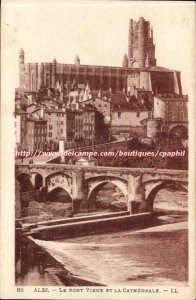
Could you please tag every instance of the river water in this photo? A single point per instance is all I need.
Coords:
(158, 255)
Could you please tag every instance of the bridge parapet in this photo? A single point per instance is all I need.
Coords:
(177, 176)
(106, 171)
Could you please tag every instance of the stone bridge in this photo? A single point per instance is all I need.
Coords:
(138, 185)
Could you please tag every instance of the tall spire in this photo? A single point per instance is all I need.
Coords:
(74, 84)
(21, 56)
(77, 60)
(87, 93)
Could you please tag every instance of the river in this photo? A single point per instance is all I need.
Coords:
(158, 255)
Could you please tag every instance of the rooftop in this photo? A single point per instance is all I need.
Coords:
(151, 68)
(32, 119)
(19, 111)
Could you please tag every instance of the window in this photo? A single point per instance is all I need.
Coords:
(49, 114)
(61, 130)
(182, 116)
(138, 114)
(61, 122)
(50, 126)
(119, 114)
(50, 134)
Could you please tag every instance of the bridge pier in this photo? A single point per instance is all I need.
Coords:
(78, 192)
(136, 194)
(32, 178)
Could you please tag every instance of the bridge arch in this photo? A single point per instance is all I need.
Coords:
(59, 180)
(37, 180)
(179, 130)
(96, 184)
(153, 187)
(25, 183)
(58, 194)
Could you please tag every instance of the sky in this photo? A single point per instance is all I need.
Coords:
(96, 31)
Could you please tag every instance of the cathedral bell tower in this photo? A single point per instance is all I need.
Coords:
(140, 44)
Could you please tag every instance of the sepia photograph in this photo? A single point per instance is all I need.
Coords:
(100, 109)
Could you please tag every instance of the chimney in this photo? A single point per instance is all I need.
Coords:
(61, 96)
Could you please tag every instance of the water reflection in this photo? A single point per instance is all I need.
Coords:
(34, 266)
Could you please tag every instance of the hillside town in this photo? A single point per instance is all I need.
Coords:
(85, 105)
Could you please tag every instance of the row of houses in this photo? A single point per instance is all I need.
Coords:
(43, 132)
(85, 117)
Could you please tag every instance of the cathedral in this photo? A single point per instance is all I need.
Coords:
(139, 69)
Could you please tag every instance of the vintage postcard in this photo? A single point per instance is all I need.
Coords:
(98, 150)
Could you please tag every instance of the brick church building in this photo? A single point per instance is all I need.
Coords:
(138, 69)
